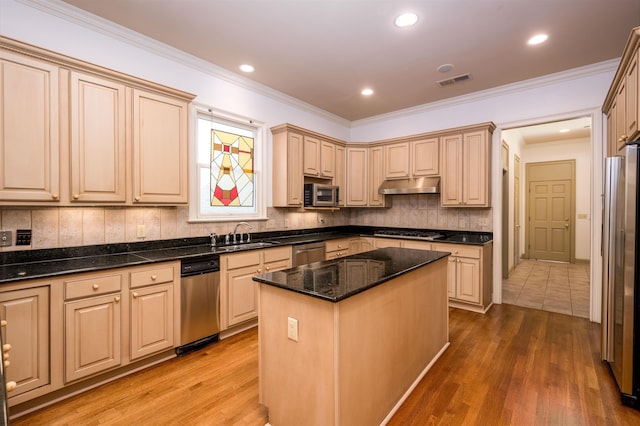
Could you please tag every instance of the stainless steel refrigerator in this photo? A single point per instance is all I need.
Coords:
(620, 289)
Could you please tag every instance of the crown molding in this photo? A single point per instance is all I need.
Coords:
(110, 29)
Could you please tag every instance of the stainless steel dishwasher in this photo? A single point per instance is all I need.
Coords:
(308, 253)
(199, 302)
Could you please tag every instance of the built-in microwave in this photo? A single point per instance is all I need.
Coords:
(320, 195)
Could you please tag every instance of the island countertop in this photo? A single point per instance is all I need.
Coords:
(336, 280)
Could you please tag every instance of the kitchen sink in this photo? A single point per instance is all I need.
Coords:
(243, 246)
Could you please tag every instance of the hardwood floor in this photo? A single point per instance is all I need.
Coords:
(512, 366)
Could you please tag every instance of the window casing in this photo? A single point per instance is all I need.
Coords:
(234, 149)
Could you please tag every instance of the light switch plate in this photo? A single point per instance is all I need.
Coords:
(292, 329)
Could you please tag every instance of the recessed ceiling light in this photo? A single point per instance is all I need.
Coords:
(367, 92)
(564, 130)
(445, 67)
(406, 20)
(247, 68)
(537, 39)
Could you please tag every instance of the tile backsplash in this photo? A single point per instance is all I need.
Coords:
(76, 226)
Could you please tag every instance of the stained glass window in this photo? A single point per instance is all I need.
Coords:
(231, 169)
(229, 160)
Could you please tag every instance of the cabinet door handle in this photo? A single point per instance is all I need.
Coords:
(55, 196)
(76, 196)
(3, 323)
(134, 294)
(96, 286)
(266, 268)
(11, 386)
(136, 198)
(6, 363)
(116, 299)
(259, 270)
(6, 347)
(154, 277)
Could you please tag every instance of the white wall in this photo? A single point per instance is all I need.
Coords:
(515, 143)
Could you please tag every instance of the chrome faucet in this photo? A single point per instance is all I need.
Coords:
(213, 239)
(235, 230)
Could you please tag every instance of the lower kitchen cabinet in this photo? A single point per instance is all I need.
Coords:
(92, 336)
(360, 245)
(92, 324)
(76, 330)
(27, 314)
(469, 275)
(335, 249)
(153, 305)
(238, 291)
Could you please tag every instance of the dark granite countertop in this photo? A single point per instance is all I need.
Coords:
(336, 280)
(45, 263)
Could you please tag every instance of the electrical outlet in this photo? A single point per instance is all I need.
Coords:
(462, 223)
(23, 237)
(271, 224)
(140, 232)
(292, 329)
(286, 223)
(5, 238)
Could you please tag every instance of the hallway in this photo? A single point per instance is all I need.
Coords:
(550, 286)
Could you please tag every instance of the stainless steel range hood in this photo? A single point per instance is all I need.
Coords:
(421, 185)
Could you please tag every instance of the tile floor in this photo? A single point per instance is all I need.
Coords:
(550, 286)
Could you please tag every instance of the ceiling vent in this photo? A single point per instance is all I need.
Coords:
(454, 80)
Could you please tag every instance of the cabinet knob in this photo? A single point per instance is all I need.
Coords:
(5, 356)
(55, 196)
(6, 363)
(136, 198)
(134, 294)
(96, 286)
(116, 299)
(154, 277)
(266, 268)
(259, 270)
(11, 386)
(6, 347)
(3, 323)
(76, 196)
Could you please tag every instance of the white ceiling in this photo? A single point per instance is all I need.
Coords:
(324, 52)
(557, 131)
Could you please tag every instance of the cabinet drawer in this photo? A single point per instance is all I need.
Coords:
(336, 254)
(333, 245)
(241, 260)
(277, 254)
(460, 250)
(277, 265)
(92, 286)
(152, 276)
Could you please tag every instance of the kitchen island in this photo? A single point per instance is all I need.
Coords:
(343, 342)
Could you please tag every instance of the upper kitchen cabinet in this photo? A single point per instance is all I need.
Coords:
(411, 159)
(621, 104)
(73, 132)
(319, 158)
(466, 167)
(288, 179)
(98, 149)
(376, 176)
(357, 176)
(29, 129)
(160, 160)
(300, 154)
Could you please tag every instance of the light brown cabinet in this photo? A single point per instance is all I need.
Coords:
(357, 176)
(99, 144)
(287, 171)
(238, 291)
(160, 160)
(469, 276)
(411, 159)
(27, 314)
(319, 158)
(153, 309)
(335, 249)
(376, 176)
(339, 179)
(75, 133)
(360, 245)
(92, 324)
(29, 123)
(621, 104)
(466, 167)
